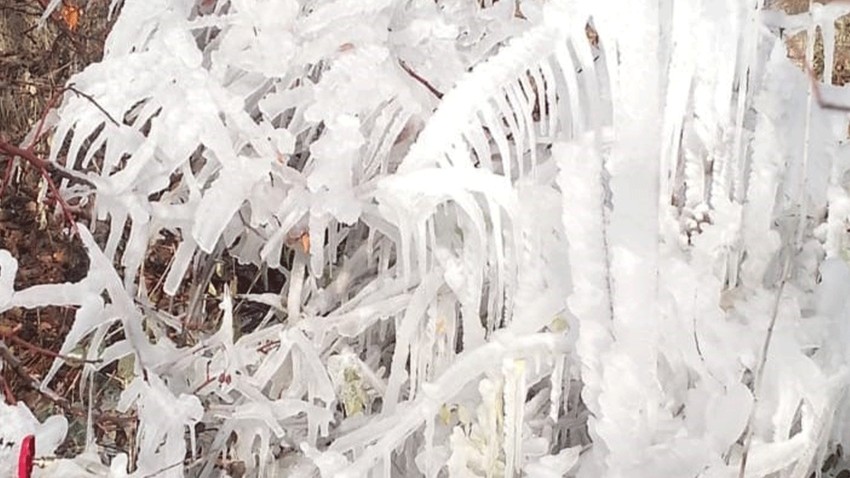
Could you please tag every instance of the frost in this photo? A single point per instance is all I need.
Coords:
(554, 466)
(18, 422)
(164, 419)
(516, 238)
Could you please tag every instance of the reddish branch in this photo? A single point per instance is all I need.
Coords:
(269, 346)
(29, 156)
(45, 167)
(10, 334)
(9, 359)
(7, 391)
(40, 129)
(49, 353)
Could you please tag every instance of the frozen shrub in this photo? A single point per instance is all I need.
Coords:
(559, 238)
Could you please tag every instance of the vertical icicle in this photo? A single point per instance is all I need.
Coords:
(680, 80)
(430, 470)
(802, 200)
(296, 284)
(772, 150)
(630, 395)
(580, 181)
(825, 19)
(747, 75)
(557, 385)
(514, 398)
(738, 163)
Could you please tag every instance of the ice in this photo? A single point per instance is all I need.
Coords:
(497, 238)
(18, 422)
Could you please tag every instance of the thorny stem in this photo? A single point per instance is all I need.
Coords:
(29, 155)
(49, 353)
(45, 165)
(11, 334)
(12, 151)
(208, 381)
(9, 358)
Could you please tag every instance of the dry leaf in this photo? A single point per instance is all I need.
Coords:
(71, 15)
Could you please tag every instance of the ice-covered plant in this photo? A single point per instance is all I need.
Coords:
(560, 237)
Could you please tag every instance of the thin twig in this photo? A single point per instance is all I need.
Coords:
(267, 347)
(29, 156)
(40, 129)
(828, 105)
(187, 462)
(94, 102)
(7, 175)
(7, 391)
(50, 353)
(9, 358)
(421, 80)
(765, 348)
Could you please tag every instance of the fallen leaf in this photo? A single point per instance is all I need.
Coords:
(70, 14)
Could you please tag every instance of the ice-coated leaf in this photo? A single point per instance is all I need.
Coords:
(224, 199)
(164, 418)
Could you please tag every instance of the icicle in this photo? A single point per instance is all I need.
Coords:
(8, 270)
(556, 381)
(430, 470)
(296, 284)
(514, 397)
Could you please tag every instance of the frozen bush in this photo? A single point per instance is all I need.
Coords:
(556, 237)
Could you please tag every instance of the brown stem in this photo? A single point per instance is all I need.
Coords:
(7, 391)
(9, 358)
(12, 151)
(49, 353)
(7, 176)
(421, 80)
(40, 129)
